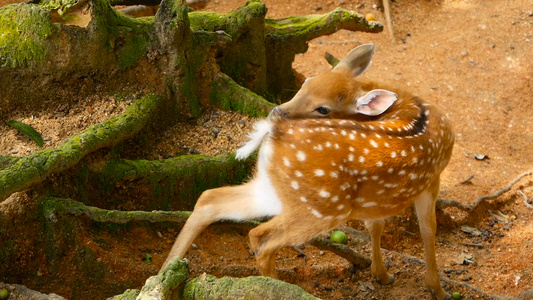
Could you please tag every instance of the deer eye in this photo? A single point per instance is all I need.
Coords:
(323, 110)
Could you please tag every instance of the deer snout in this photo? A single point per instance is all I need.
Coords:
(277, 113)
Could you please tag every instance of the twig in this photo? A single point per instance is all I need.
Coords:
(525, 200)
(442, 203)
(467, 180)
(473, 245)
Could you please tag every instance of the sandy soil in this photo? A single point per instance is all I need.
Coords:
(473, 59)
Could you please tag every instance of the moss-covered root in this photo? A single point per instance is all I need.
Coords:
(163, 285)
(127, 295)
(35, 167)
(254, 287)
(229, 95)
(51, 206)
(6, 161)
(312, 26)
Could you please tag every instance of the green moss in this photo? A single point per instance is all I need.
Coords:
(134, 49)
(253, 287)
(37, 166)
(127, 295)
(60, 5)
(311, 26)
(175, 183)
(169, 280)
(228, 95)
(23, 31)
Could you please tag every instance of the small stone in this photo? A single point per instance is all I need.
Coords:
(194, 246)
(464, 53)
(159, 234)
(328, 288)
(404, 41)
(215, 132)
(47, 139)
(408, 34)
(319, 7)
(341, 2)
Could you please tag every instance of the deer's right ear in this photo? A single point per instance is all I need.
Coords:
(375, 102)
(358, 59)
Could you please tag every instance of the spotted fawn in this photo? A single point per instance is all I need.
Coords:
(341, 149)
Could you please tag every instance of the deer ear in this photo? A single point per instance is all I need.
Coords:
(375, 102)
(358, 59)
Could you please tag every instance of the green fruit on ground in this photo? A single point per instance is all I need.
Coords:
(339, 237)
(4, 294)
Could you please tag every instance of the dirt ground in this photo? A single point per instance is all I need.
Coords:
(473, 59)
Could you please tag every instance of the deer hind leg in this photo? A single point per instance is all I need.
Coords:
(213, 205)
(425, 210)
(284, 230)
(375, 228)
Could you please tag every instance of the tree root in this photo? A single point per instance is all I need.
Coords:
(442, 203)
(6, 161)
(229, 95)
(253, 287)
(36, 167)
(360, 261)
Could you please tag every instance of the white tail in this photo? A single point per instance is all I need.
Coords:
(339, 150)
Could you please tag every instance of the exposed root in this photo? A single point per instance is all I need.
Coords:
(36, 167)
(526, 200)
(360, 261)
(442, 203)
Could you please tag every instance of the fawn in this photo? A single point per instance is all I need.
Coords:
(339, 150)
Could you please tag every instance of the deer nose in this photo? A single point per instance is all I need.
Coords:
(277, 113)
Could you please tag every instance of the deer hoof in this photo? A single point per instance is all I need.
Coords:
(388, 280)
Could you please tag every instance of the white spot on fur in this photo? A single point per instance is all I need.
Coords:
(319, 172)
(301, 156)
(369, 204)
(286, 162)
(373, 143)
(295, 185)
(324, 194)
(316, 213)
(379, 164)
(298, 174)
